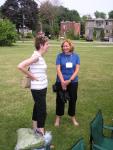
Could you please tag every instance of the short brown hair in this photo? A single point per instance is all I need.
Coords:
(70, 43)
(40, 40)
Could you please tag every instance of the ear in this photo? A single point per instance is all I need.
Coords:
(41, 46)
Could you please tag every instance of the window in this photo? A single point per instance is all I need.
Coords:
(106, 23)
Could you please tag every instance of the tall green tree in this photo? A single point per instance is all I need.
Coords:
(47, 12)
(110, 14)
(74, 16)
(52, 13)
(65, 14)
(47, 17)
(21, 13)
(100, 14)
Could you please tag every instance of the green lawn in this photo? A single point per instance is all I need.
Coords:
(95, 92)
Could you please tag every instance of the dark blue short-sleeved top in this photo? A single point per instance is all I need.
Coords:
(68, 65)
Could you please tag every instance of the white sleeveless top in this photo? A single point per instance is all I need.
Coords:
(39, 70)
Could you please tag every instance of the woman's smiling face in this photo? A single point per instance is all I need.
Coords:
(66, 47)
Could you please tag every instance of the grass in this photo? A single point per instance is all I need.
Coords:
(95, 92)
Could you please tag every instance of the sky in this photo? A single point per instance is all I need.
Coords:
(84, 7)
(89, 6)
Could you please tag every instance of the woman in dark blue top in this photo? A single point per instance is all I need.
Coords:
(67, 66)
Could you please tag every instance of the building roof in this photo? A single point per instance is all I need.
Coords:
(99, 19)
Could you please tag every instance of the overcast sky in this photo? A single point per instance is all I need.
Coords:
(85, 7)
(89, 6)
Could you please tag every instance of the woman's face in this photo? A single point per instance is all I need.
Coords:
(66, 47)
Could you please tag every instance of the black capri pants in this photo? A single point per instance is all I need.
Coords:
(39, 109)
(60, 105)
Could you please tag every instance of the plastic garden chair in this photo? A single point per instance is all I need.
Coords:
(97, 147)
(97, 139)
(79, 145)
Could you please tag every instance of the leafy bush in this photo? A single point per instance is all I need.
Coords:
(94, 34)
(102, 34)
(29, 35)
(8, 33)
(71, 35)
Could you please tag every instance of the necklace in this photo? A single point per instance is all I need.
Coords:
(68, 58)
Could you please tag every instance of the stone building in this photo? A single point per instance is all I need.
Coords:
(95, 27)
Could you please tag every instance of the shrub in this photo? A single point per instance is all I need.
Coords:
(94, 34)
(102, 34)
(8, 33)
(29, 35)
(70, 34)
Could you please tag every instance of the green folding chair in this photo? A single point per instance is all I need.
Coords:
(97, 147)
(97, 139)
(79, 145)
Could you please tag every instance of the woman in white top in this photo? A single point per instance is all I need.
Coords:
(39, 81)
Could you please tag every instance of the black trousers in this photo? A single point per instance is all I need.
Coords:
(60, 105)
(39, 109)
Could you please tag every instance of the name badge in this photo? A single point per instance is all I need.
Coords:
(69, 65)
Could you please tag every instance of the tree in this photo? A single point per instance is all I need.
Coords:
(21, 12)
(52, 13)
(110, 14)
(74, 16)
(100, 14)
(103, 15)
(7, 33)
(48, 17)
(102, 34)
(47, 12)
(97, 14)
(64, 14)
